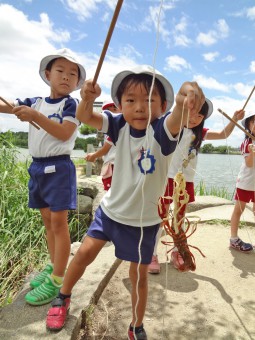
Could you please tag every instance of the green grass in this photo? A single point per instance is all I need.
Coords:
(23, 247)
(202, 190)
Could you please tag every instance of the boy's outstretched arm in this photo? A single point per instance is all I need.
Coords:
(189, 101)
(85, 108)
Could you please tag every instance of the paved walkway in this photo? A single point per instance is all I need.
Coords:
(20, 321)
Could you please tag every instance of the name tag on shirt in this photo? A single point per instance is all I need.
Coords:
(49, 169)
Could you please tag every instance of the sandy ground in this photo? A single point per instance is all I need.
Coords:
(217, 301)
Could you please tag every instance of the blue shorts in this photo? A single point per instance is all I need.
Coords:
(125, 238)
(52, 183)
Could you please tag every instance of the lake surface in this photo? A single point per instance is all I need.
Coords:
(216, 171)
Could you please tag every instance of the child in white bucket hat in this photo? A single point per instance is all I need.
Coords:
(245, 185)
(145, 138)
(52, 184)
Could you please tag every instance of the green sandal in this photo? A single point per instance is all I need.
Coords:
(40, 278)
(43, 294)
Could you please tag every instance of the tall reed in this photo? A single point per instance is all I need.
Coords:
(22, 240)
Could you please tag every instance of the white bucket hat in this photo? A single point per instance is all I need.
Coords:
(249, 114)
(63, 53)
(210, 108)
(147, 70)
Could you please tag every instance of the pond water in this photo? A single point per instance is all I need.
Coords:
(215, 170)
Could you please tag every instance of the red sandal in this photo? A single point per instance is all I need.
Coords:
(57, 314)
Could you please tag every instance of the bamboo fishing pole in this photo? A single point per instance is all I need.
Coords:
(11, 106)
(249, 97)
(107, 40)
(239, 126)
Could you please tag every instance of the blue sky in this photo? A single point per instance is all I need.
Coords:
(211, 42)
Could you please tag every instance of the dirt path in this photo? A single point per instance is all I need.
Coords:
(217, 301)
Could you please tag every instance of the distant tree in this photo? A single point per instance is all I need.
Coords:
(87, 130)
(207, 148)
(221, 149)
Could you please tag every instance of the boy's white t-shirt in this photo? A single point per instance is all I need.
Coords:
(133, 196)
(40, 142)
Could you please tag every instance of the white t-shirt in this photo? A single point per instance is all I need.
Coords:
(40, 142)
(185, 156)
(246, 176)
(138, 181)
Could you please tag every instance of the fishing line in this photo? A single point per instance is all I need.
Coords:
(144, 179)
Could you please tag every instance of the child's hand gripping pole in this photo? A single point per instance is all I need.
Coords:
(11, 106)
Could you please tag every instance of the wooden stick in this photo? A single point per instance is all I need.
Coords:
(240, 127)
(107, 40)
(11, 106)
(249, 97)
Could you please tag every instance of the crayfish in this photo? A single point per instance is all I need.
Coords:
(174, 225)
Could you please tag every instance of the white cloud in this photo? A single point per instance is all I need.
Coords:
(207, 39)
(222, 28)
(251, 13)
(211, 83)
(211, 56)
(210, 38)
(82, 8)
(177, 63)
(229, 58)
(252, 66)
(182, 40)
(23, 43)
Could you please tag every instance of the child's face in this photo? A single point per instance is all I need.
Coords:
(63, 77)
(195, 120)
(135, 106)
(113, 109)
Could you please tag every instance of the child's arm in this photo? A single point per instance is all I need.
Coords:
(189, 101)
(91, 157)
(60, 131)
(249, 160)
(85, 108)
(228, 128)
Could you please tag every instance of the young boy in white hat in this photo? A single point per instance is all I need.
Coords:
(107, 151)
(52, 184)
(245, 191)
(145, 140)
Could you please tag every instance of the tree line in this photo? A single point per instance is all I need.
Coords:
(222, 149)
(20, 139)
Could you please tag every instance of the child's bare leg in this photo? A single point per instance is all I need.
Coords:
(138, 309)
(46, 217)
(60, 230)
(235, 218)
(85, 255)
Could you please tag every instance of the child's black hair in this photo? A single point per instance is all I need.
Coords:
(246, 126)
(198, 130)
(49, 66)
(140, 79)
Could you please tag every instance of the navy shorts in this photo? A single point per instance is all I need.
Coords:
(125, 238)
(52, 183)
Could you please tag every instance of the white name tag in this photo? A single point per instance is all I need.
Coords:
(49, 169)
